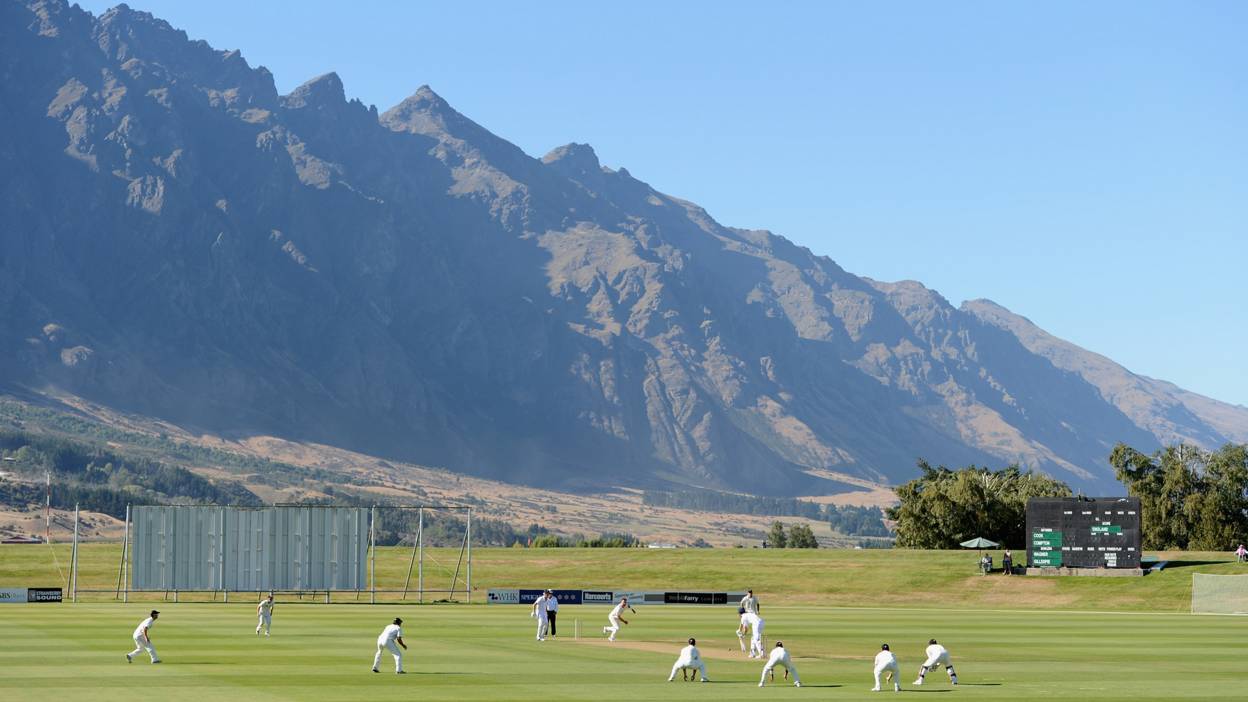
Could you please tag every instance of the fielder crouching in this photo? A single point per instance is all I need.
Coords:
(937, 655)
(886, 662)
(689, 659)
(780, 656)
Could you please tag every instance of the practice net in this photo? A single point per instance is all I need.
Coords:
(1219, 594)
(309, 552)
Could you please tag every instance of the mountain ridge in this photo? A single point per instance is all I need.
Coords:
(191, 245)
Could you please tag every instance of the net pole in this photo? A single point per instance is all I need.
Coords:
(225, 592)
(420, 566)
(411, 562)
(173, 556)
(355, 545)
(122, 565)
(73, 578)
(458, 563)
(372, 555)
(125, 562)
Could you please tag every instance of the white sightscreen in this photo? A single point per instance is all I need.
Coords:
(229, 548)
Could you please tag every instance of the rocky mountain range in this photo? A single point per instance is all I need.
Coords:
(179, 240)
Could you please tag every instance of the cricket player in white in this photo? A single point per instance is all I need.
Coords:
(689, 659)
(264, 612)
(749, 603)
(616, 617)
(143, 638)
(780, 656)
(386, 640)
(539, 612)
(756, 624)
(886, 661)
(936, 655)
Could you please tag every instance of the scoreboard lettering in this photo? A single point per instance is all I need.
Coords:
(1082, 532)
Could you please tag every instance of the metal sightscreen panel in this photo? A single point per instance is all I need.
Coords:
(225, 548)
(195, 557)
(153, 548)
(177, 548)
(338, 542)
(141, 550)
(247, 566)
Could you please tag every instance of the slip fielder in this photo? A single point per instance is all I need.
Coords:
(780, 656)
(689, 659)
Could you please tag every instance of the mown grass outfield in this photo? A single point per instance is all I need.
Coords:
(1051, 640)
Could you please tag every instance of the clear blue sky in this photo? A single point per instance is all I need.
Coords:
(1084, 164)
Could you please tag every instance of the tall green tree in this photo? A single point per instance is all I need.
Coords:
(776, 537)
(1189, 498)
(942, 507)
(800, 536)
(1222, 518)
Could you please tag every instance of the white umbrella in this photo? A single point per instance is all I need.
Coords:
(979, 542)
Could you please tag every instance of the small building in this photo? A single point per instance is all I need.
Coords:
(21, 540)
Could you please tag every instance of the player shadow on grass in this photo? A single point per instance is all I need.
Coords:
(750, 682)
(438, 672)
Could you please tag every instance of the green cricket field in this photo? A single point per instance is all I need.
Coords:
(1010, 638)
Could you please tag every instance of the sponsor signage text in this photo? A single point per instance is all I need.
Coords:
(22, 595)
(607, 597)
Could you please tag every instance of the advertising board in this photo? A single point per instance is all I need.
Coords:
(23, 595)
(636, 598)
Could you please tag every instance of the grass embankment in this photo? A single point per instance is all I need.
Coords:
(893, 578)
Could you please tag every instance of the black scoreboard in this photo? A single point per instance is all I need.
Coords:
(1083, 532)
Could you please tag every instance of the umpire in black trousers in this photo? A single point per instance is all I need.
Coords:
(552, 610)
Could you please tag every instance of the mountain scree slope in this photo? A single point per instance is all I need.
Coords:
(179, 240)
